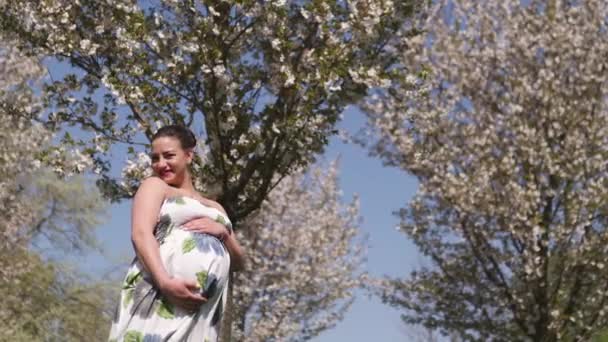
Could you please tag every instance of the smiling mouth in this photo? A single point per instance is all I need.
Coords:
(166, 173)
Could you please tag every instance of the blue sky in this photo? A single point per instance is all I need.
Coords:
(382, 190)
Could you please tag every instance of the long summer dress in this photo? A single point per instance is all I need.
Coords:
(143, 314)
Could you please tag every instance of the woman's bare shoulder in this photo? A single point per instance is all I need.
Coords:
(154, 185)
(153, 181)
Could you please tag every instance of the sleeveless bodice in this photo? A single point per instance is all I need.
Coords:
(175, 211)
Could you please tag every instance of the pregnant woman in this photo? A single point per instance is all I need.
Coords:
(175, 289)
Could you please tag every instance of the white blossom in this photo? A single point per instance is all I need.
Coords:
(307, 253)
(503, 119)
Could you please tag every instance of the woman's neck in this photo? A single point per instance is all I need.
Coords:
(186, 184)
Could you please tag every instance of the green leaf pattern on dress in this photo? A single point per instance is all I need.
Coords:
(131, 280)
(221, 220)
(188, 245)
(134, 336)
(165, 310)
(176, 200)
(128, 297)
(129, 287)
(202, 278)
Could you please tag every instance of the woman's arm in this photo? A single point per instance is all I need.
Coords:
(237, 254)
(144, 214)
(146, 207)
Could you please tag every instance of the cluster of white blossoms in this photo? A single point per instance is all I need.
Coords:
(21, 141)
(267, 81)
(20, 144)
(16, 68)
(506, 130)
(65, 161)
(36, 206)
(304, 260)
(26, 148)
(135, 171)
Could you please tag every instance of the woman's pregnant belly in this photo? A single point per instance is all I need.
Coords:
(197, 256)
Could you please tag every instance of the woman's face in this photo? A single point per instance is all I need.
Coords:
(169, 160)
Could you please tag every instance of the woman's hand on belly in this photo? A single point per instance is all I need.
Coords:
(183, 293)
(207, 226)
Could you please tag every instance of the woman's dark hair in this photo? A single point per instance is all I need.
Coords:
(183, 134)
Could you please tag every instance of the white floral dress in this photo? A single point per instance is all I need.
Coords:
(143, 315)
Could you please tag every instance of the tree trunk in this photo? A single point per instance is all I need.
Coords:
(226, 327)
